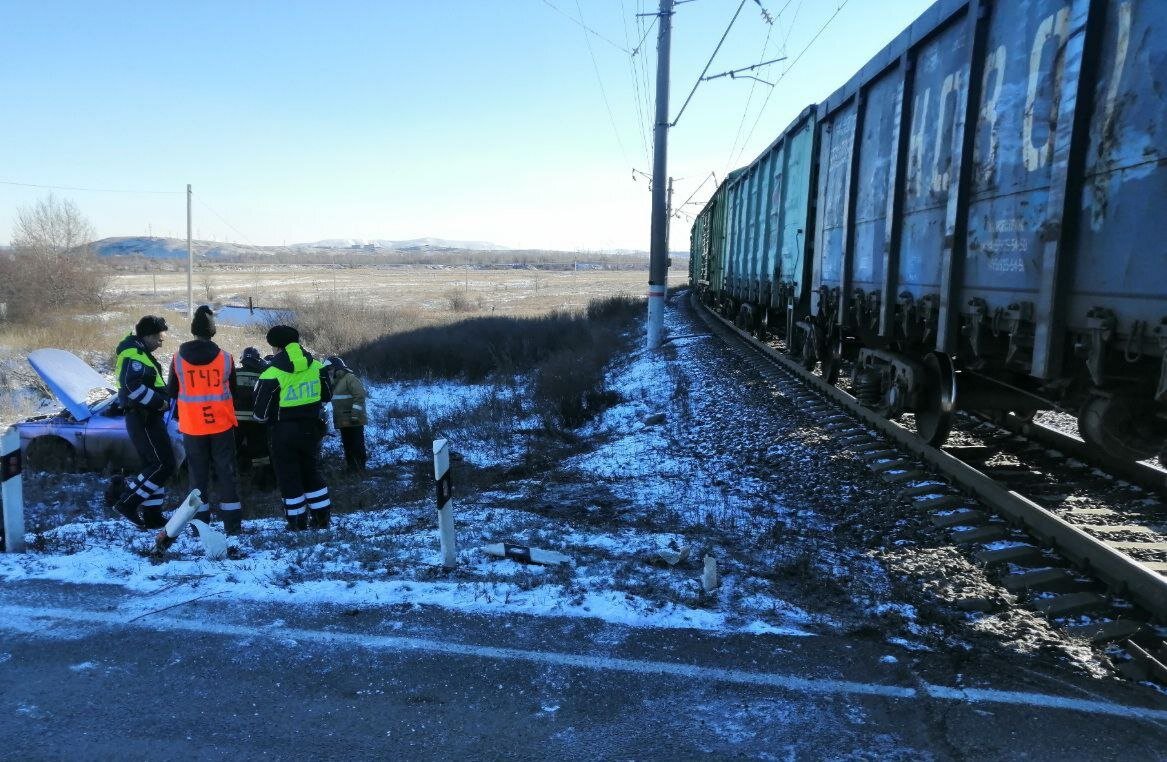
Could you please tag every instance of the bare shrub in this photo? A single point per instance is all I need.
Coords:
(569, 385)
(460, 300)
(621, 307)
(334, 324)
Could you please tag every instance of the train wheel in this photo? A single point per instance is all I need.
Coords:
(937, 399)
(1117, 426)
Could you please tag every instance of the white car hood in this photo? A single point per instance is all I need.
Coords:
(70, 378)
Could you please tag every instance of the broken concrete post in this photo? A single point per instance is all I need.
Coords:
(447, 538)
(524, 554)
(13, 493)
(710, 579)
(178, 520)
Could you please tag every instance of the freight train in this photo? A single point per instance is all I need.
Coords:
(976, 220)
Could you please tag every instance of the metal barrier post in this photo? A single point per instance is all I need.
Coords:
(13, 494)
(445, 490)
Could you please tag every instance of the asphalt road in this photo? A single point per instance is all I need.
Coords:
(89, 672)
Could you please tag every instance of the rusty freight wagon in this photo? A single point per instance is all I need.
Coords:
(984, 228)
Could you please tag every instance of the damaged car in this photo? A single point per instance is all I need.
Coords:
(90, 433)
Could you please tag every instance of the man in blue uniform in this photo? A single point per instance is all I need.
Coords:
(142, 394)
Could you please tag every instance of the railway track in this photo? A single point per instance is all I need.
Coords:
(1083, 546)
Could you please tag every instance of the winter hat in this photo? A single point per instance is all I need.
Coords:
(337, 363)
(281, 336)
(203, 325)
(150, 325)
(251, 359)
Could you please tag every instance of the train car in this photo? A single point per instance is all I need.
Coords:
(984, 226)
(754, 235)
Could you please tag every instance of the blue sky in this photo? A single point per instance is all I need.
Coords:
(491, 120)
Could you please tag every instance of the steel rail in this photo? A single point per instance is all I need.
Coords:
(1122, 574)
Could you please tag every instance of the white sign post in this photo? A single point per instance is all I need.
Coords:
(13, 492)
(445, 504)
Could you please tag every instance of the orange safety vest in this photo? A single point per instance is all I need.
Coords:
(204, 396)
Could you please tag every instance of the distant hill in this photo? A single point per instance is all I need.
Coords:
(155, 247)
(175, 248)
(415, 244)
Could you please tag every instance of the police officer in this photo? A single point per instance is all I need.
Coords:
(142, 394)
(202, 377)
(251, 436)
(289, 397)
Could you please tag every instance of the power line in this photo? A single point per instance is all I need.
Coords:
(749, 99)
(224, 221)
(586, 28)
(600, 81)
(641, 108)
(787, 71)
(89, 190)
(708, 63)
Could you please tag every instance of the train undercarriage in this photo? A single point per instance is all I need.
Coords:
(1116, 390)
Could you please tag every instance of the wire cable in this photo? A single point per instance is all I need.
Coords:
(787, 71)
(223, 220)
(708, 63)
(600, 80)
(641, 106)
(90, 190)
(585, 26)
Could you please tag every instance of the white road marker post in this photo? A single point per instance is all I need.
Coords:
(710, 579)
(445, 491)
(13, 492)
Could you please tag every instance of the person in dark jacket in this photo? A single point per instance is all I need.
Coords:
(142, 395)
(202, 381)
(289, 397)
(251, 436)
(348, 413)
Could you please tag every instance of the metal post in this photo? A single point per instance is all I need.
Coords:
(13, 494)
(189, 261)
(658, 265)
(448, 539)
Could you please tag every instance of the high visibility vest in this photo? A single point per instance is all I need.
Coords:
(204, 395)
(301, 386)
(133, 353)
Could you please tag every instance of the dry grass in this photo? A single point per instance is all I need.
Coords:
(338, 309)
(419, 288)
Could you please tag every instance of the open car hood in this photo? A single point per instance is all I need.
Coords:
(69, 377)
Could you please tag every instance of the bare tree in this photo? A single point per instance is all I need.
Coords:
(52, 226)
(51, 266)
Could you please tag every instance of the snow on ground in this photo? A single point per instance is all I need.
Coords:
(388, 554)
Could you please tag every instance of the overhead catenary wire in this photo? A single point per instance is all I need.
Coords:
(641, 103)
(708, 63)
(787, 71)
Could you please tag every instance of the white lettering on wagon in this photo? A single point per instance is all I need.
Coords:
(1054, 29)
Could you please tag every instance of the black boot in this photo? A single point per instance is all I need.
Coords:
(232, 522)
(298, 523)
(131, 514)
(152, 518)
(321, 518)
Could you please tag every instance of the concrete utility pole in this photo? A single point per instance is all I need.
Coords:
(189, 262)
(658, 262)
